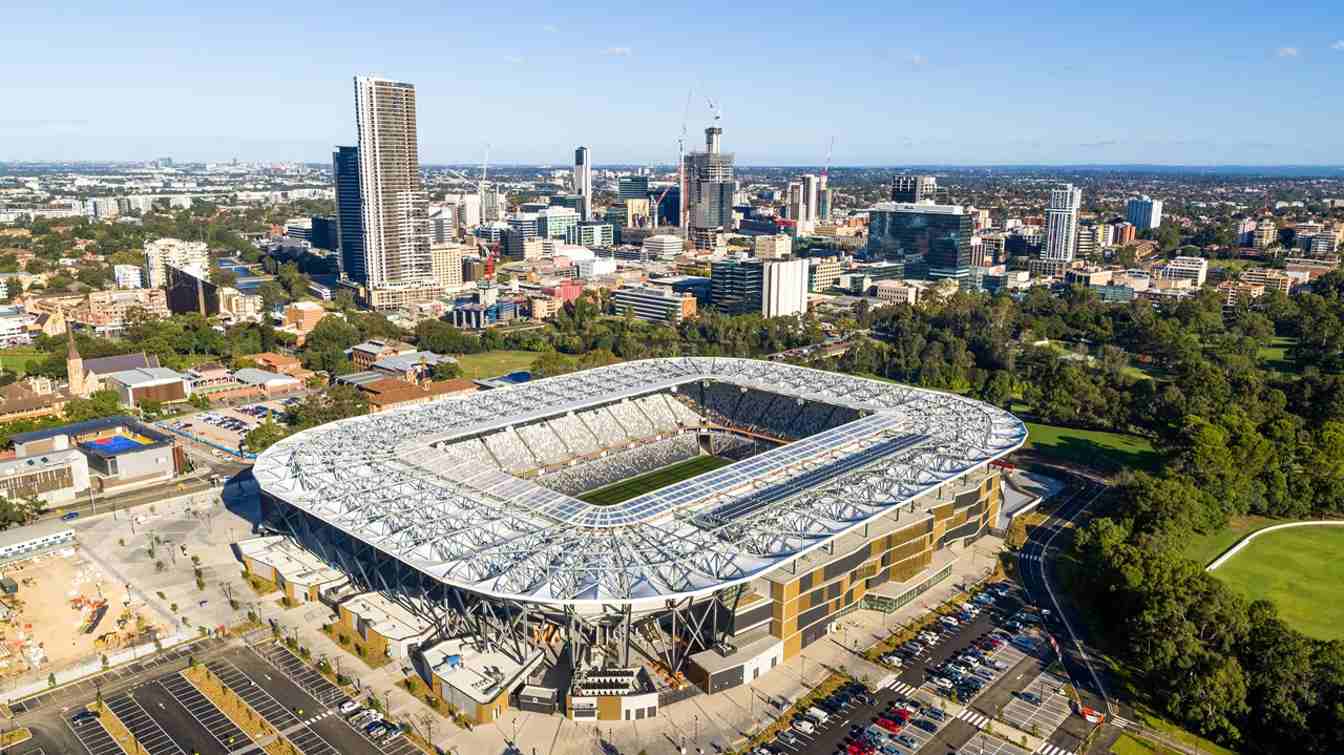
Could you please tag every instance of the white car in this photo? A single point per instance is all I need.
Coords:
(949, 621)
(348, 707)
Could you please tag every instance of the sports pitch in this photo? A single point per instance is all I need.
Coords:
(1298, 570)
(636, 486)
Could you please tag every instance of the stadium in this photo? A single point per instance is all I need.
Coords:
(600, 543)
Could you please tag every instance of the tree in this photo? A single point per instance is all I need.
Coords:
(104, 403)
(447, 371)
(337, 402)
(263, 436)
(222, 276)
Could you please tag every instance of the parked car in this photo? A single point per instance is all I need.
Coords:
(949, 621)
(69, 516)
(805, 726)
(83, 717)
(348, 707)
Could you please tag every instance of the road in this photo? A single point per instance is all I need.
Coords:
(1036, 567)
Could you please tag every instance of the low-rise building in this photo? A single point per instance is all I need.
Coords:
(898, 292)
(473, 677)
(272, 384)
(1194, 269)
(654, 303)
(148, 384)
(1238, 292)
(377, 627)
(118, 453)
(299, 574)
(1272, 280)
(386, 393)
(411, 366)
(363, 355)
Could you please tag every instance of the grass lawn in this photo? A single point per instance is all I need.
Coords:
(1299, 570)
(627, 489)
(1109, 451)
(490, 364)
(1275, 355)
(1205, 548)
(18, 360)
(1175, 732)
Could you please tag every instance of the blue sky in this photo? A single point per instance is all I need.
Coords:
(893, 82)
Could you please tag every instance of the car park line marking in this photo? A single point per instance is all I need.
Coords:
(1049, 749)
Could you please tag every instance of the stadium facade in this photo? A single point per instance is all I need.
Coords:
(842, 491)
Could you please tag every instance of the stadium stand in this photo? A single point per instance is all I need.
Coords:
(609, 432)
(632, 419)
(578, 438)
(656, 409)
(621, 465)
(544, 443)
(512, 454)
(472, 451)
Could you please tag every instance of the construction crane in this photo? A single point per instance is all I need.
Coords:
(826, 169)
(714, 108)
(480, 187)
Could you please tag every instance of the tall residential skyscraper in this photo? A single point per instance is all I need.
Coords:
(1144, 212)
(349, 213)
(395, 207)
(583, 181)
(1061, 223)
(709, 187)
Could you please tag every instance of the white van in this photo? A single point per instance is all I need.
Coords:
(819, 714)
(805, 726)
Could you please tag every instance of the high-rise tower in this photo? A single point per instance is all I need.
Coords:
(1061, 223)
(349, 213)
(394, 205)
(583, 181)
(709, 188)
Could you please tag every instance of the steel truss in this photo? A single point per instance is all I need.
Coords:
(614, 636)
(411, 514)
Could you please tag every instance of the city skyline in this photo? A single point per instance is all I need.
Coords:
(1172, 86)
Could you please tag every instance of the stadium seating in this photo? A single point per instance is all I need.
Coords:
(632, 419)
(471, 451)
(683, 413)
(578, 438)
(512, 454)
(609, 432)
(548, 447)
(622, 465)
(656, 409)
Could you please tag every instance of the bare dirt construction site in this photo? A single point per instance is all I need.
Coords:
(66, 611)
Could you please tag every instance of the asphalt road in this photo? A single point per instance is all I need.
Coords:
(1036, 563)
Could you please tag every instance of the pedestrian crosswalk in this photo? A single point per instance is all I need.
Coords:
(974, 718)
(1030, 556)
(1049, 749)
(319, 717)
(1121, 721)
(901, 687)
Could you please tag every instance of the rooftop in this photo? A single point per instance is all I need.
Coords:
(388, 618)
(476, 671)
(295, 564)
(387, 479)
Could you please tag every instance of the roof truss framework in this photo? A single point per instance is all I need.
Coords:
(389, 481)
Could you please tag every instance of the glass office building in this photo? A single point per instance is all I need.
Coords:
(932, 241)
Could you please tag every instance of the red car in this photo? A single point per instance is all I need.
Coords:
(890, 725)
(902, 714)
(860, 748)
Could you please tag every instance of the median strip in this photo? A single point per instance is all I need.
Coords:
(244, 716)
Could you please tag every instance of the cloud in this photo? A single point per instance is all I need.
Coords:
(1286, 52)
(1338, 45)
(918, 61)
(620, 52)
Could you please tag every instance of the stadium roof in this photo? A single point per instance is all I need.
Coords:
(385, 480)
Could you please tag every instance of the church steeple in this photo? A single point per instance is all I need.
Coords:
(74, 364)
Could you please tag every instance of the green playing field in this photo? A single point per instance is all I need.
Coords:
(635, 486)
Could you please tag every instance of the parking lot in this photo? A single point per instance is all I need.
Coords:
(152, 738)
(984, 744)
(90, 686)
(95, 738)
(205, 713)
(302, 674)
(1040, 707)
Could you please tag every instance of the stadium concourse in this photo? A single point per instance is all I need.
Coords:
(842, 492)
